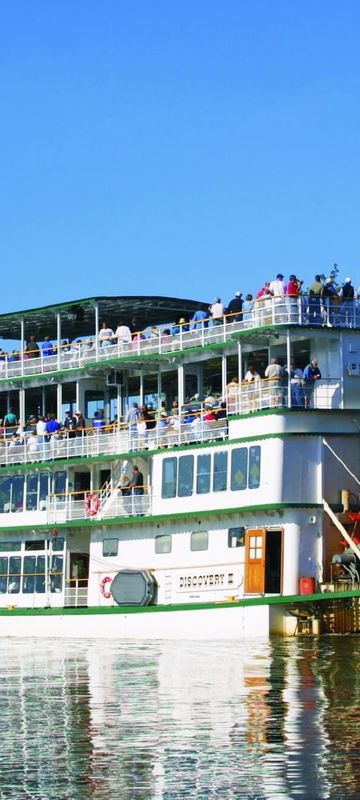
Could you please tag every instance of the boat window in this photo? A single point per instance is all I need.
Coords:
(186, 476)
(169, 475)
(110, 547)
(57, 544)
(220, 472)
(239, 457)
(203, 474)
(17, 485)
(35, 544)
(31, 492)
(59, 483)
(3, 574)
(5, 484)
(14, 574)
(40, 575)
(254, 467)
(6, 546)
(56, 573)
(163, 543)
(28, 581)
(199, 540)
(44, 486)
(236, 537)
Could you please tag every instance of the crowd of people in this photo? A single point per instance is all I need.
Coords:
(325, 302)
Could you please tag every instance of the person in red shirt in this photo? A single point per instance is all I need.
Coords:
(293, 291)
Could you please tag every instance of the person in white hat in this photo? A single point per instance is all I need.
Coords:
(347, 309)
(234, 309)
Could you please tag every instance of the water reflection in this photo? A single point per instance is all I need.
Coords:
(264, 720)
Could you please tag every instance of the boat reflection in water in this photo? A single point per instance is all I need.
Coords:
(270, 719)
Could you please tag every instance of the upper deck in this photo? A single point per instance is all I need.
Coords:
(159, 337)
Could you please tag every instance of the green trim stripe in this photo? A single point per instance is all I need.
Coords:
(99, 523)
(283, 600)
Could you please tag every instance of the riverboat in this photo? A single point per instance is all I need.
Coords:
(228, 508)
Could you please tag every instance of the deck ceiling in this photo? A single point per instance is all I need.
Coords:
(78, 316)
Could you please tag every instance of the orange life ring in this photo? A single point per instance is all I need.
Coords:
(91, 504)
(103, 583)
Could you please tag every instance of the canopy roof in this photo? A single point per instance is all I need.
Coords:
(78, 316)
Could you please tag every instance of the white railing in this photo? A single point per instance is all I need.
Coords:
(302, 310)
(262, 394)
(64, 508)
(91, 443)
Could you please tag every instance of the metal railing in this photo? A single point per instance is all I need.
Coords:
(303, 310)
(116, 440)
(265, 393)
(119, 503)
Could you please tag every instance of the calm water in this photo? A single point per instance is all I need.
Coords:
(266, 719)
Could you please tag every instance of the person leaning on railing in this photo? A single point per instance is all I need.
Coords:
(32, 349)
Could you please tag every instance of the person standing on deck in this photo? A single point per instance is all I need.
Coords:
(311, 375)
(137, 486)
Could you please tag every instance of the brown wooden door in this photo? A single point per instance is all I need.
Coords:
(255, 546)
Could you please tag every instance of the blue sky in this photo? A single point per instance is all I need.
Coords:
(187, 149)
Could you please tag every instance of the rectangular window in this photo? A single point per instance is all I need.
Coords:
(163, 543)
(29, 570)
(57, 544)
(35, 544)
(14, 574)
(220, 472)
(199, 540)
(31, 492)
(44, 490)
(236, 537)
(17, 501)
(203, 474)
(255, 547)
(254, 467)
(56, 573)
(59, 483)
(110, 547)
(5, 493)
(6, 547)
(186, 476)
(3, 574)
(239, 458)
(169, 476)
(40, 575)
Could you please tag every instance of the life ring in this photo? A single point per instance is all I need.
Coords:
(103, 583)
(91, 504)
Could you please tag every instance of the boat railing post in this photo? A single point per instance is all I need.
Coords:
(181, 336)
(273, 310)
(224, 327)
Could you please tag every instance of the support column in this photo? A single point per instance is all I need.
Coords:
(141, 392)
(22, 407)
(180, 386)
(58, 334)
(22, 346)
(78, 398)
(96, 308)
(159, 387)
(223, 376)
(240, 377)
(43, 401)
(59, 401)
(118, 406)
(288, 362)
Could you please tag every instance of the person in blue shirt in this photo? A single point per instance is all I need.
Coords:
(99, 421)
(47, 347)
(198, 320)
(52, 425)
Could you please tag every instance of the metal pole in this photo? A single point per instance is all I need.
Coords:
(58, 334)
(96, 308)
(22, 337)
(288, 360)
